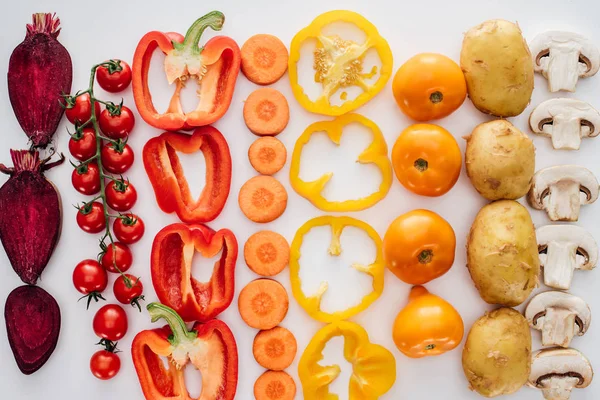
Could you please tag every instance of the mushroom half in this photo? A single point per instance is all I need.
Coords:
(563, 249)
(559, 316)
(557, 371)
(563, 58)
(566, 121)
(561, 190)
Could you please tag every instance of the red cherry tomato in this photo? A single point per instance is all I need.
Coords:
(118, 254)
(86, 178)
(105, 364)
(114, 81)
(81, 110)
(82, 145)
(120, 196)
(129, 295)
(116, 158)
(117, 126)
(90, 217)
(130, 229)
(110, 322)
(89, 277)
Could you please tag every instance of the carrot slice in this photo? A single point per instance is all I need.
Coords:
(262, 199)
(267, 155)
(267, 253)
(264, 59)
(266, 112)
(263, 303)
(275, 348)
(275, 385)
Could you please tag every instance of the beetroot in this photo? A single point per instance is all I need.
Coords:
(33, 325)
(30, 214)
(39, 72)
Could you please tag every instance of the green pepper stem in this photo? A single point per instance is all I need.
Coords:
(214, 20)
(178, 327)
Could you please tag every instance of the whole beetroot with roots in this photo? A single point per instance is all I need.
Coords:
(30, 214)
(40, 71)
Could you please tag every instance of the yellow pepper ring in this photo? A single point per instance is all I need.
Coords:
(376, 154)
(346, 59)
(373, 366)
(312, 304)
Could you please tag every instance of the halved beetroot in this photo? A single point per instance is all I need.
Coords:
(33, 325)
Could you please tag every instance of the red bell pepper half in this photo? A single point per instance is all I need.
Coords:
(215, 66)
(171, 263)
(167, 177)
(210, 347)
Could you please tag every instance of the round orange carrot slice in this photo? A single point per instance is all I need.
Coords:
(266, 112)
(275, 385)
(267, 155)
(267, 253)
(262, 199)
(263, 303)
(264, 59)
(275, 348)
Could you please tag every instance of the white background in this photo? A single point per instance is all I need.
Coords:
(95, 31)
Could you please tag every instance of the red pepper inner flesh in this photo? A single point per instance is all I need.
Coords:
(171, 257)
(163, 381)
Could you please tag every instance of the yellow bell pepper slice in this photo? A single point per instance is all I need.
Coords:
(376, 153)
(312, 304)
(373, 366)
(338, 63)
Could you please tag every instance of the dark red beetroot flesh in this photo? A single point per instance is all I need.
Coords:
(33, 325)
(30, 215)
(39, 72)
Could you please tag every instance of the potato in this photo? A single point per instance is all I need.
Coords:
(502, 253)
(498, 68)
(500, 160)
(497, 354)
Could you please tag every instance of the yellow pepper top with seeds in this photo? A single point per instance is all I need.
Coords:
(338, 63)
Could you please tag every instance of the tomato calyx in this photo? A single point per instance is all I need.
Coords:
(121, 184)
(114, 109)
(70, 101)
(112, 66)
(128, 219)
(436, 97)
(425, 256)
(118, 145)
(86, 208)
(109, 345)
(421, 165)
(96, 296)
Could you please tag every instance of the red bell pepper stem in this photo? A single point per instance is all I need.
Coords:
(178, 327)
(213, 20)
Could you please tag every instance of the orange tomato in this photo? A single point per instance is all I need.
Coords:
(419, 246)
(427, 326)
(429, 86)
(427, 159)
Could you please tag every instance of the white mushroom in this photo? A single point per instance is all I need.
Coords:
(562, 250)
(563, 58)
(566, 121)
(561, 190)
(559, 316)
(557, 371)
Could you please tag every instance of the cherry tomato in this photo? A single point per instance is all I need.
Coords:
(427, 326)
(90, 217)
(121, 256)
(81, 111)
(120, 196)
(427, 159)
(429, 86)
(110, 322)
(86, 178)
(116, 158)
(82, 145)
(114, 81)
(117, 126)
(105, 364)
(89, 277)
(419, 246)
(130, 229)
(129, 295)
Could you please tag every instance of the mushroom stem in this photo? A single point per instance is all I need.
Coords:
(563, 202)
(559, 265)
(559, 327)
(563, 68)
(563, 127)
(558, 387)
